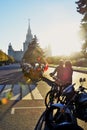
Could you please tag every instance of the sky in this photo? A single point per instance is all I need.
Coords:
(54, 22)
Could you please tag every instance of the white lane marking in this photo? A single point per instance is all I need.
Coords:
(27, 97)
(20, 108)
(36, 94)
(26, 94)
(16, 97)
(12, 110)
(16, 92)
(7, 88)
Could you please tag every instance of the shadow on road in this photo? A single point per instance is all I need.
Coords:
(7, 110)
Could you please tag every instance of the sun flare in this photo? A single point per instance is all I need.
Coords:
(66, 40)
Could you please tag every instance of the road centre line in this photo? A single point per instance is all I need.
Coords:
(20, 108)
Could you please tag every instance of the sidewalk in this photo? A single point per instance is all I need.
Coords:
(77, 69)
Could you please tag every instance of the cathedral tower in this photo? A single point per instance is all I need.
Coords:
(29, 38)
(10, 50)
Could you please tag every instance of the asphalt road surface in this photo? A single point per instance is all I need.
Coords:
(26, 103)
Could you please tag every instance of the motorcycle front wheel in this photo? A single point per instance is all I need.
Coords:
(51, 98)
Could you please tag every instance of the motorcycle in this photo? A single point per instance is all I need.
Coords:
(81, 102)
(73, 105)
(33, 72)
(77, 99)
(63, 115)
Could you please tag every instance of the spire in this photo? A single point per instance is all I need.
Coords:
(29, 30)
(29, 34)
(29, 37)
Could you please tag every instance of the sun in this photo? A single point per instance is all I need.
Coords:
(63, 39)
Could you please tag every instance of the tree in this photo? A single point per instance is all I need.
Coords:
(82, 9)
(34, 53)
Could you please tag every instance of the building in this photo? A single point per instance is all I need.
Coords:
(19, 54)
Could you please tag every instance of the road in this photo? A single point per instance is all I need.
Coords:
(26, 105)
